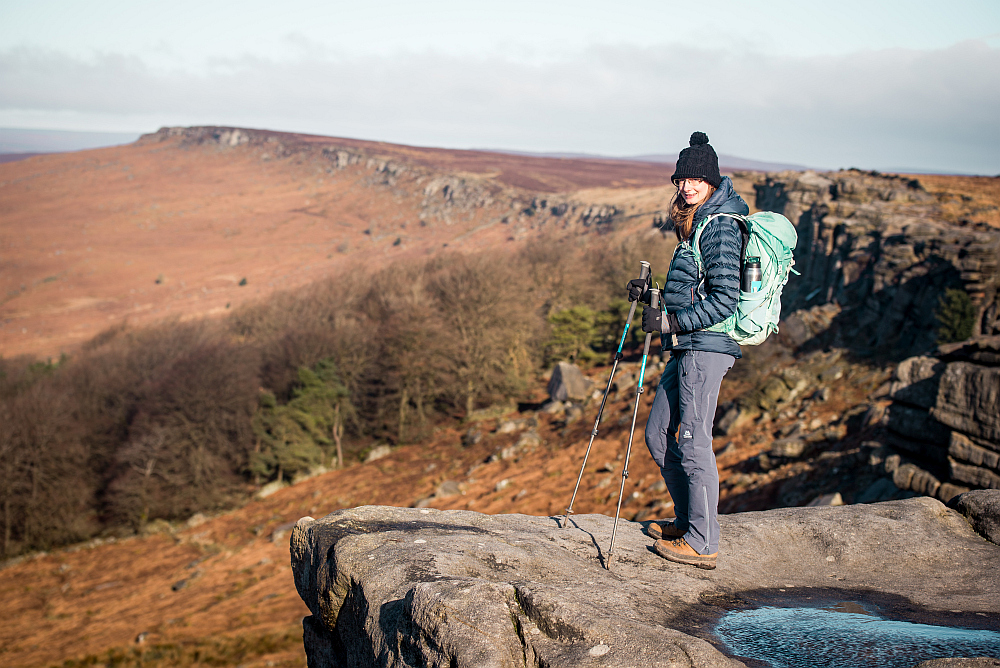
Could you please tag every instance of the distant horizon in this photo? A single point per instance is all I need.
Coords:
(79, 140)
(899, 82)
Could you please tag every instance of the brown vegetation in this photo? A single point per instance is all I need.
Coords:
(221, 588)
(965, 200)
(355, 327)
(174, 228)
(163, 422)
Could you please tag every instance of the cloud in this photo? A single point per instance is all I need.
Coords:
(879, 109)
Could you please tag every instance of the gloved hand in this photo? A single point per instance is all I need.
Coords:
(653, 321)
(638, 288)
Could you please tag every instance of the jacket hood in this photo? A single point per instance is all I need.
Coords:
(725, 199)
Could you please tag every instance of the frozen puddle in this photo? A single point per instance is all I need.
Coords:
(846, 635)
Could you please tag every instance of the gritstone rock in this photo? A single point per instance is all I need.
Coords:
(969, 400)
(982, 508)
(973, 475)
(984, 350)
(963, 448)
(916, 381)
(958, 434)
(568, 383)
(876, 247)
(395, 587)
(917, 424)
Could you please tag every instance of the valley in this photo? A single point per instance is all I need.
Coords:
(269, 254)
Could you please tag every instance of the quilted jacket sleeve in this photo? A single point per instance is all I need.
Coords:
(721, 243)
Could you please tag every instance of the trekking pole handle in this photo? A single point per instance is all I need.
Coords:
(644, 273)
(654, 303)
(644, 269)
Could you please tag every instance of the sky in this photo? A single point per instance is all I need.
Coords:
(891, 85)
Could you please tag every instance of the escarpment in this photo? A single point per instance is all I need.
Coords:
(487, 188)
(944, 420)
(876, 253)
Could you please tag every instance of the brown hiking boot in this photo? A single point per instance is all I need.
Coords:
(664, 530)
(680, 552)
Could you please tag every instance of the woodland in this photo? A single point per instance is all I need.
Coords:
(165, 421)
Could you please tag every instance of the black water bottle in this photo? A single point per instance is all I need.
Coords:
(752, 278)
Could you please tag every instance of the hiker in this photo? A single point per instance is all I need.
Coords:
(679, 429)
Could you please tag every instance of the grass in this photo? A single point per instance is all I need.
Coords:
(278, 650)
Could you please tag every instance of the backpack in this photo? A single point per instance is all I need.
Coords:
(770, 237)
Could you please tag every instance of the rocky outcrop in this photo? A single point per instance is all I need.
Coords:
(403, 587)
(945, 417)
(446, 196)
(878, 249)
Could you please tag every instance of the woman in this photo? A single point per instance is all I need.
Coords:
(679, 429)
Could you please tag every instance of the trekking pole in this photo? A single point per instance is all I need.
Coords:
(654, 302)
(643, 273)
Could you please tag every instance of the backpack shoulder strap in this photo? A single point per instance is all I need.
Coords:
(741, 221)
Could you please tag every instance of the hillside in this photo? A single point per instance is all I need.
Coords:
(191, 222)
(188, 223)
(338, 239)
(222, 586)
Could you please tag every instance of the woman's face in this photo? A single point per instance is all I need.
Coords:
(694, 191)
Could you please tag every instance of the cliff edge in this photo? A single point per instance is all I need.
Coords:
(398, 586)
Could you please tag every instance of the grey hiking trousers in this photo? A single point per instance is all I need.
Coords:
(679, 437)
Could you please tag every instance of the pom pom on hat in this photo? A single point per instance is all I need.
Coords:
(698, 138)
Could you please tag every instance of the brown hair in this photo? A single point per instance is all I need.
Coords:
(682, 213)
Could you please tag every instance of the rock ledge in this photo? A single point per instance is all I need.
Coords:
(401, 587)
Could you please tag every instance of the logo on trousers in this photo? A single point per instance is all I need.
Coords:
(687, 434)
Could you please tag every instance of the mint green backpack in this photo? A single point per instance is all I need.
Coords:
(772, 238)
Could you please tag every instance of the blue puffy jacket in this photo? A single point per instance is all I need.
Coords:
(692, 304)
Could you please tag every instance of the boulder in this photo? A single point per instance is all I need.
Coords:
(378, 452)
(798, 382)
(448, 488)
(914, 478)
(270, 488)
(527, 441)
(568, 383)
(396, 586)
(981, 508)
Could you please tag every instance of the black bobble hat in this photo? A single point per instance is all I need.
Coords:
(699, 161)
